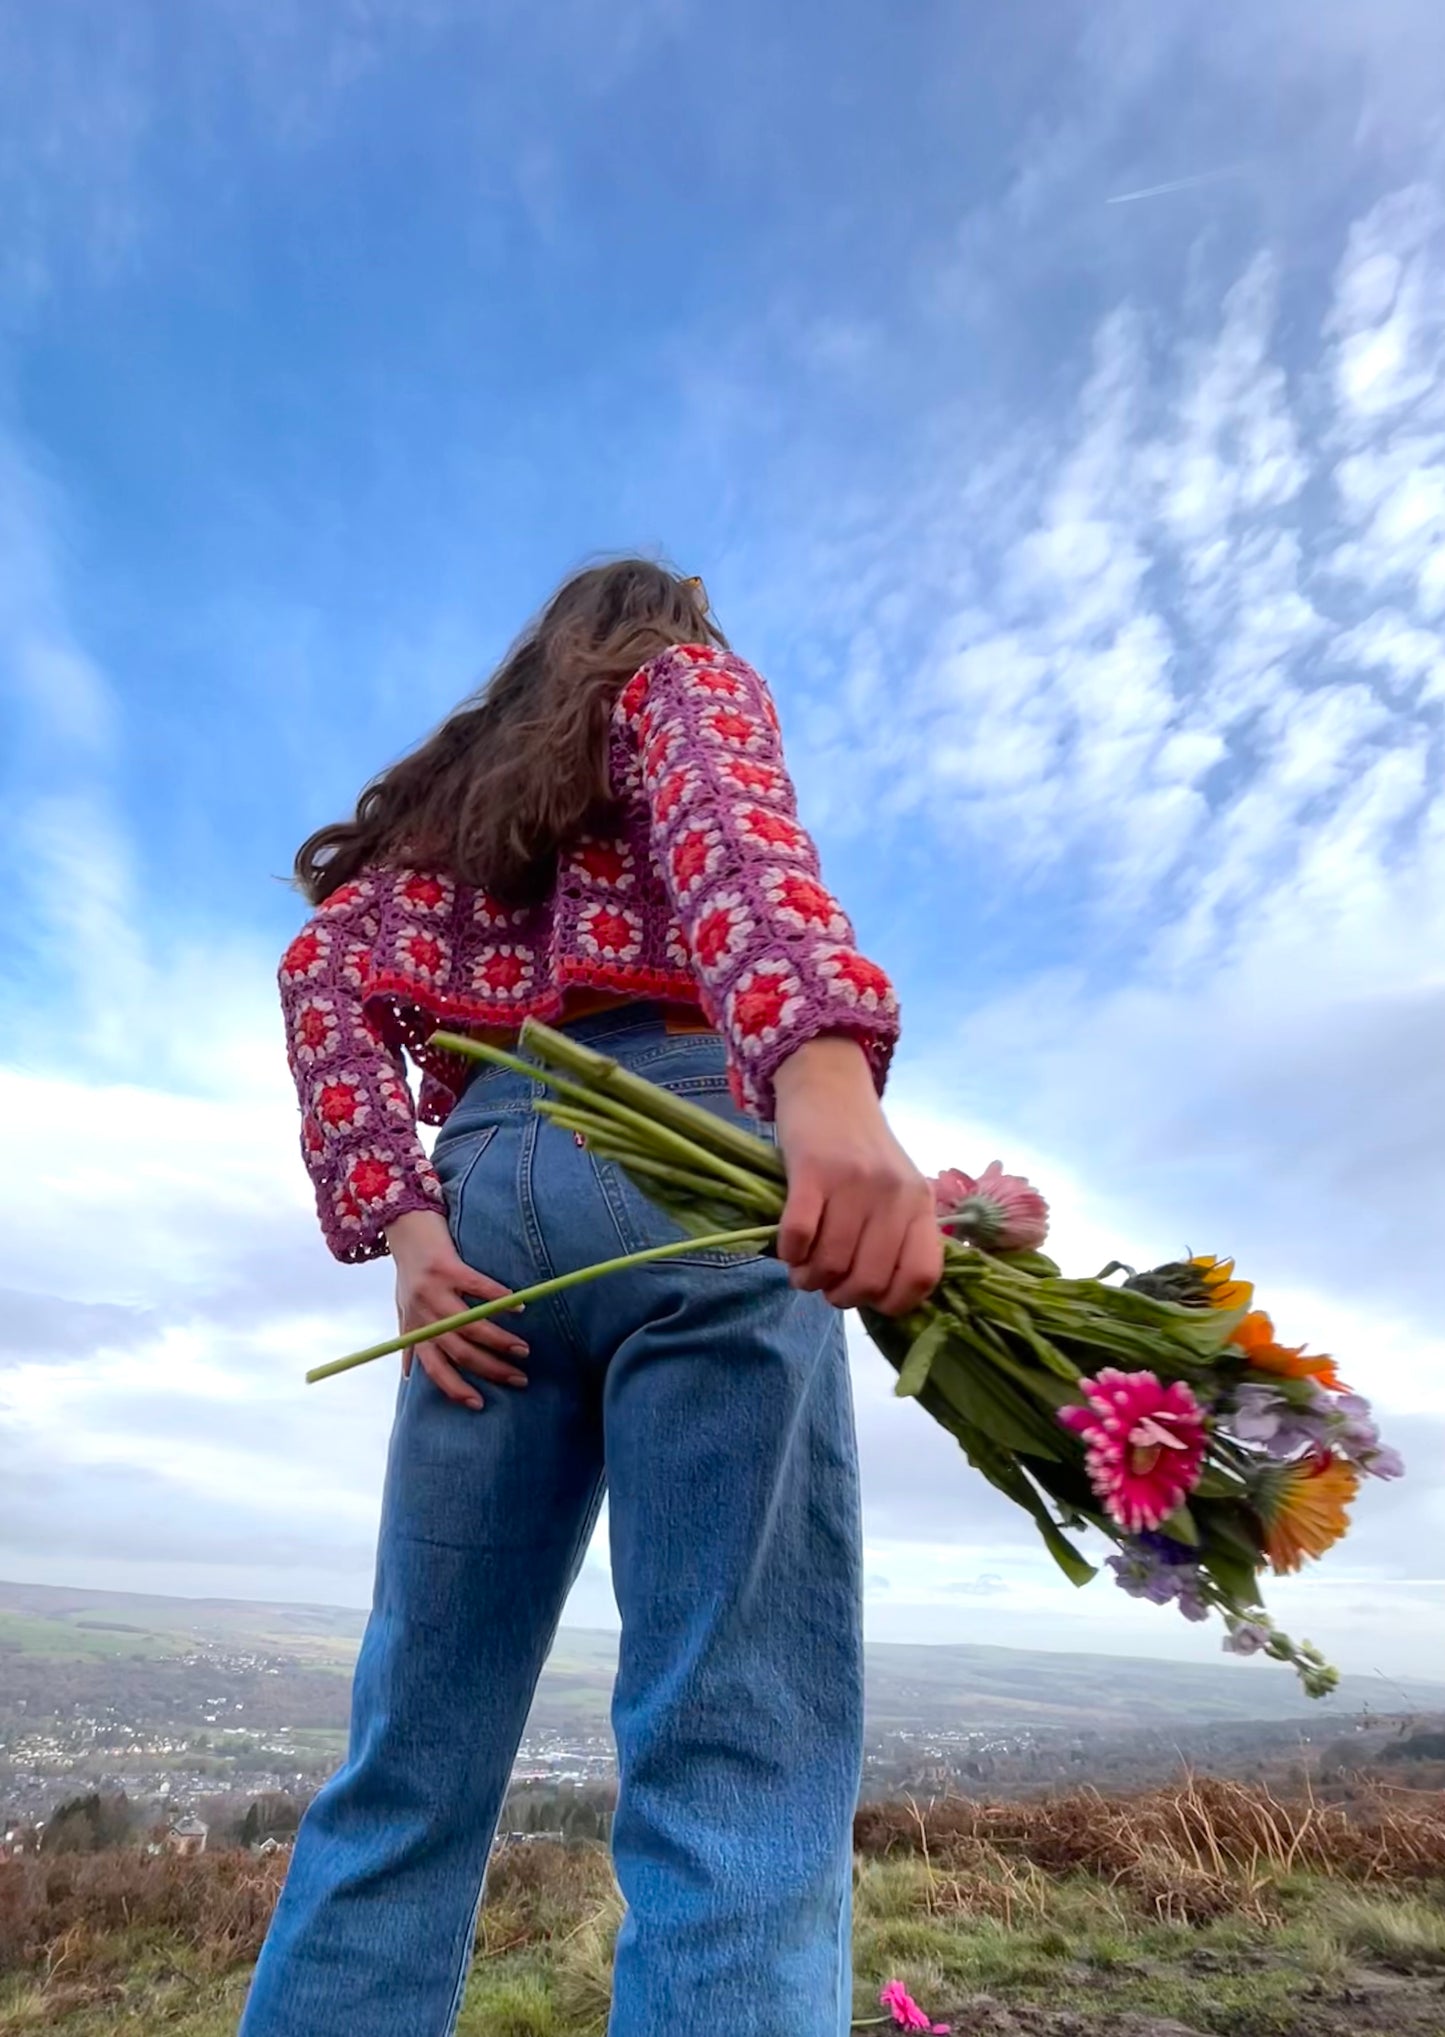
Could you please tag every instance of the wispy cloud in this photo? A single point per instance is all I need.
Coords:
(1167, 190)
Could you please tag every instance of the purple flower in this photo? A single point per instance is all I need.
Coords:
(1285, 1426)
(1263, 1416)
(1190, 1603)
(1247, 1638)
(1165, 1572)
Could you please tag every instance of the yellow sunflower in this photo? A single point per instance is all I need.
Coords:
(1304, 1509)
(1221, 1288)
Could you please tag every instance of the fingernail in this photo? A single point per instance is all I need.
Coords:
(476, 1406)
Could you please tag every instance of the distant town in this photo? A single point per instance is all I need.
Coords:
(111, 1721)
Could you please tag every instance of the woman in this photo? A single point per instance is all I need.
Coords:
(605, 837)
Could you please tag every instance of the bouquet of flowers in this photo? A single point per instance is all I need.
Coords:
(1158, 1407)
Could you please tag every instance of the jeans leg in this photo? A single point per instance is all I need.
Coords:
(485, 1520)
(738, 1710)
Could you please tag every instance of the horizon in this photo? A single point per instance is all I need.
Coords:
(1231, 1665)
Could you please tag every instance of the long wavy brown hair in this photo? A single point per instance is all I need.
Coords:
(519, 770)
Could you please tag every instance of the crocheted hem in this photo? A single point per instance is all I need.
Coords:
(409, 1022)
(877, 1035)
(356, 1249)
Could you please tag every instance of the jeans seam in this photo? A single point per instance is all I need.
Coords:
(580, 1542)
(464, 1961)
(483, 1139)
(533, 1229)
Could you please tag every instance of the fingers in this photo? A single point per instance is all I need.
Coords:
(475, 1286)
(492, 1336)
(836, 1246)
(870, 1274)
(802, 1215)
(446, 1379)
(875, 1247)
(461, 1353)
(491, 1350)
(919, 1268)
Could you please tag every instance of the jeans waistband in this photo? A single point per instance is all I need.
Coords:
(623, 1029)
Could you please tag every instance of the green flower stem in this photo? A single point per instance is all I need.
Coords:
(662, 1141)
(657, 1125)
(683, 1179)
(603, 1074)
(610, 1086)
(719, 1241)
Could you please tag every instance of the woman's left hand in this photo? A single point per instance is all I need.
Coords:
(432, 1282)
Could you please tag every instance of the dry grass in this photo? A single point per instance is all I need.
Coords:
(991, 1894)
(1202, 1849)
(57, 1915)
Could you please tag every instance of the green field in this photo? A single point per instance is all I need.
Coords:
(67, 1640)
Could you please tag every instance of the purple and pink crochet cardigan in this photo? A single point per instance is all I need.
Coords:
(707, 894)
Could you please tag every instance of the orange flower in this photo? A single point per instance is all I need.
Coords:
(1222, 1290)
(1255, 1338)
(1303, 1508)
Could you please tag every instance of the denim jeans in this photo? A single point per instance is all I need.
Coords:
(712, 1402)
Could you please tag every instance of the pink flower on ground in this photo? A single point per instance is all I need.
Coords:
(1001, 1212)
(1145, 1444)
(906, 2012)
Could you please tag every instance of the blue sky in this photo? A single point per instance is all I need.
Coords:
(1051, 399)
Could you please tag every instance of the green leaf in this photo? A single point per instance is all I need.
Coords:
(1228, 1525)
(1078, 1569)
(914, 1371)
(1053, 1390)
(1238, 1580)
(987, 1400)
(1181, 1527)
(1010, 1478)
(1037, 1263)
(1217, 1484)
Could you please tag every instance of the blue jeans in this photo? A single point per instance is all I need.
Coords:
(712, 1400)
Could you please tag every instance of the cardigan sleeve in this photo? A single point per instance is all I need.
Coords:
(358, 1123)
(773, 951)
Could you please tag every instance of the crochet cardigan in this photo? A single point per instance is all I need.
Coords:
(708, 893)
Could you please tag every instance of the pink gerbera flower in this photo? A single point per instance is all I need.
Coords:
(1145, 1444)
(1001, 1212)
(906, 2012)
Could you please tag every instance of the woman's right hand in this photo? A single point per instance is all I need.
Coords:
(433, 1282)
(860, 1222)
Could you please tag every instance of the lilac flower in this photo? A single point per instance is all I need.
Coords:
(1163, 1571)
(1354, 1435)
(1262, 1415)
(1284, 1426)
(1247, 1638)
(1190, 1603)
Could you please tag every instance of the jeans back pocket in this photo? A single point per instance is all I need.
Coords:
(455, 1157)
(639, 1221)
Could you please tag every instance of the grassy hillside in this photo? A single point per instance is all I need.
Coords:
(1209, 1909)
(908, 1687)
